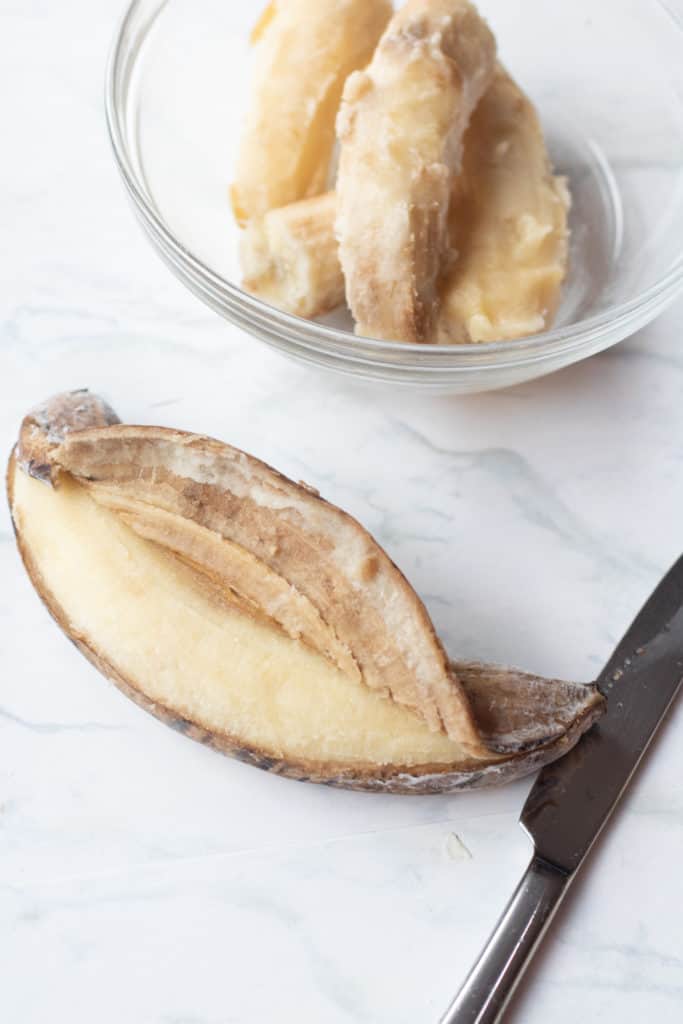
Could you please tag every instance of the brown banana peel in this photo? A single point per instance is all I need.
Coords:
(246, 611)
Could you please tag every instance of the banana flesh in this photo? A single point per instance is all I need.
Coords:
(508, 223)
(290, 257)
(401, 129)
(305, 50)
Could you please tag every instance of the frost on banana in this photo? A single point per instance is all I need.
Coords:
(290, 257)
(243, 609)
(305, 51)
(401, 129)
(509, 226)
(508, 221)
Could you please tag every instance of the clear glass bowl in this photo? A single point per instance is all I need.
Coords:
(607, 79)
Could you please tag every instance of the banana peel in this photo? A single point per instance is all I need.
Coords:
(246, 611)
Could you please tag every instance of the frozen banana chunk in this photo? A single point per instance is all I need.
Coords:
(290, 257)
(508, 219)
(401, 130)
(509, 226)
(242, 609)
(305, 51)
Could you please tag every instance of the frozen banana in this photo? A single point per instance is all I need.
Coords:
(509, 226)
(247, 612)
(508, 221)
(401, 129)
(305, 51)
(290, 257)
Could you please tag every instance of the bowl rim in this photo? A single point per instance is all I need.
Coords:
(308, 334)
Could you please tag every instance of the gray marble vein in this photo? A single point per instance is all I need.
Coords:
(535, 498)
(54, 728)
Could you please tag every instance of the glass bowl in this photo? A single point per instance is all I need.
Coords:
(607, 80)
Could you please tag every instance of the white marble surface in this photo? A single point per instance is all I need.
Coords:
(145, 879)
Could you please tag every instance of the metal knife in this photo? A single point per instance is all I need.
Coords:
(573, 799)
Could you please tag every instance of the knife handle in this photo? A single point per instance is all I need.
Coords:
(491, 982)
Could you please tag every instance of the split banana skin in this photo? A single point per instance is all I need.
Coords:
(244, 610)
(446, 224)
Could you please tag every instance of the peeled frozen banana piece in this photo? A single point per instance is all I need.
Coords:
(305, 51)
(401, 129)
(508, 220)
(290, 257)
(179, 567)
(509, 226)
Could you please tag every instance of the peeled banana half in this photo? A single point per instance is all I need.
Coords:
(401, 129)
(305, 50)
(508, 230)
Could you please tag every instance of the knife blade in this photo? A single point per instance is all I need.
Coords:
(572, 799)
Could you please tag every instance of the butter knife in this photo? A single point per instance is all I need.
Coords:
(573, 799)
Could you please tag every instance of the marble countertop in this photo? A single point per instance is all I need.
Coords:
(144, 878)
